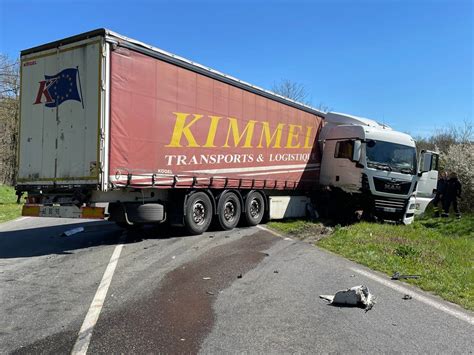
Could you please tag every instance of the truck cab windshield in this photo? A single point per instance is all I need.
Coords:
(391, 156)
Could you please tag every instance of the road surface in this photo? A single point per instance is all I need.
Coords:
(158, 291)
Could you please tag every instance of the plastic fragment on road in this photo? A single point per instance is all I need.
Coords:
(407, 297)
(398, 276)
(206, 278)
(357, 296)
(73, 231)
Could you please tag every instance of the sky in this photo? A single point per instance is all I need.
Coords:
(407, 63)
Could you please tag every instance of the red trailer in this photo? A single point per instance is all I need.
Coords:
(108, 119)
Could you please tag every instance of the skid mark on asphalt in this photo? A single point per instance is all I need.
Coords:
(178, 316)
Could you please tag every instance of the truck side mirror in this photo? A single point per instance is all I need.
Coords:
(357, 150)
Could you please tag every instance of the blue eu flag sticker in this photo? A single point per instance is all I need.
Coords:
(56, 89)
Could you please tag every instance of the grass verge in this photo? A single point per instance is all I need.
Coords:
(440, 250)
(9, 209)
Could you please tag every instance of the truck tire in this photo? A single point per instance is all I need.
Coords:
(198, 215)
(146, 213)
(254, 208)
(229, 210)
(136, 212)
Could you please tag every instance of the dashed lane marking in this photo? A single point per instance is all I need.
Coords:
(85, 333)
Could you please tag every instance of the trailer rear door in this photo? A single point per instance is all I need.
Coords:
(60, 115)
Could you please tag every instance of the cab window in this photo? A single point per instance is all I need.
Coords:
(344, 149)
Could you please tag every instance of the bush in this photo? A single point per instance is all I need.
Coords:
(460, 159)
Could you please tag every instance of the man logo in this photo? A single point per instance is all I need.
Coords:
(56, 89)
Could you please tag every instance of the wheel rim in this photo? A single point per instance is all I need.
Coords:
(199, 213)
(229, 211)
(255, 208)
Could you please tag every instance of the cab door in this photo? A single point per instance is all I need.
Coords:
(427, 180)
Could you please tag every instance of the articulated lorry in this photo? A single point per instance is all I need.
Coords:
(106, 119)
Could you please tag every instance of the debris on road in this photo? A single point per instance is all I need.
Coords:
(239, 276)
(211, 236)
(210, 293)
(275, 272)
(407, 297)
(398, 276)
(358, 296)
(206, 278)
(73, 231)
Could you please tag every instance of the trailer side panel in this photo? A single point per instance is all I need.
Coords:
(171, 126)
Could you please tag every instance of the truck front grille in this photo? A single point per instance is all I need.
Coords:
(392, 186)
(390, 205)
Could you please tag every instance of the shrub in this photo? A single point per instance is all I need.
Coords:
(460, 159)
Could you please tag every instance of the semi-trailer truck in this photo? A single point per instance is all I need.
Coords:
(106, 119)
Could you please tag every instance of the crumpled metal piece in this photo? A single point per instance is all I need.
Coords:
(357, 296)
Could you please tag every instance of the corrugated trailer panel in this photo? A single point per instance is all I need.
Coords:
(170, 126)
(60, 98)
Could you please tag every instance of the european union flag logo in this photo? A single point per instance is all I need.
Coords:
(59, 88)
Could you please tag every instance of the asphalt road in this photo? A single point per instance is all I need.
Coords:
(222, 292)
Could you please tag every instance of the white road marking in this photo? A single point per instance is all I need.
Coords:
(273, 232)
(403, 290)
(85, 333)
(426, 300)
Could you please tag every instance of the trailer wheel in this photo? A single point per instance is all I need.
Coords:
(254, 208)
(229, 210)
(198, 213)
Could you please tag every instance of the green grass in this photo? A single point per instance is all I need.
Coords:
(9, 209)
(440, 250)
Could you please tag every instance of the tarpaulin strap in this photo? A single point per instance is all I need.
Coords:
(153, 180)
(129, 179)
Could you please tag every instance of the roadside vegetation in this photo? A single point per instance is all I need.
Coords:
(440, 250)
(9, 209)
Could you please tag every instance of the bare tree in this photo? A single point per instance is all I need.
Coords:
(9, 117)
(297, 92)
(292, 90)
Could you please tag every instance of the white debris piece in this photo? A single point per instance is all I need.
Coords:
(359, 296)
(70, 232)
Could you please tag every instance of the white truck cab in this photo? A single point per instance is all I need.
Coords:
(377, 166)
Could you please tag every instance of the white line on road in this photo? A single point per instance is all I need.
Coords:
(85, 333)
(435, 304)
(404, 290)
(273, 232)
